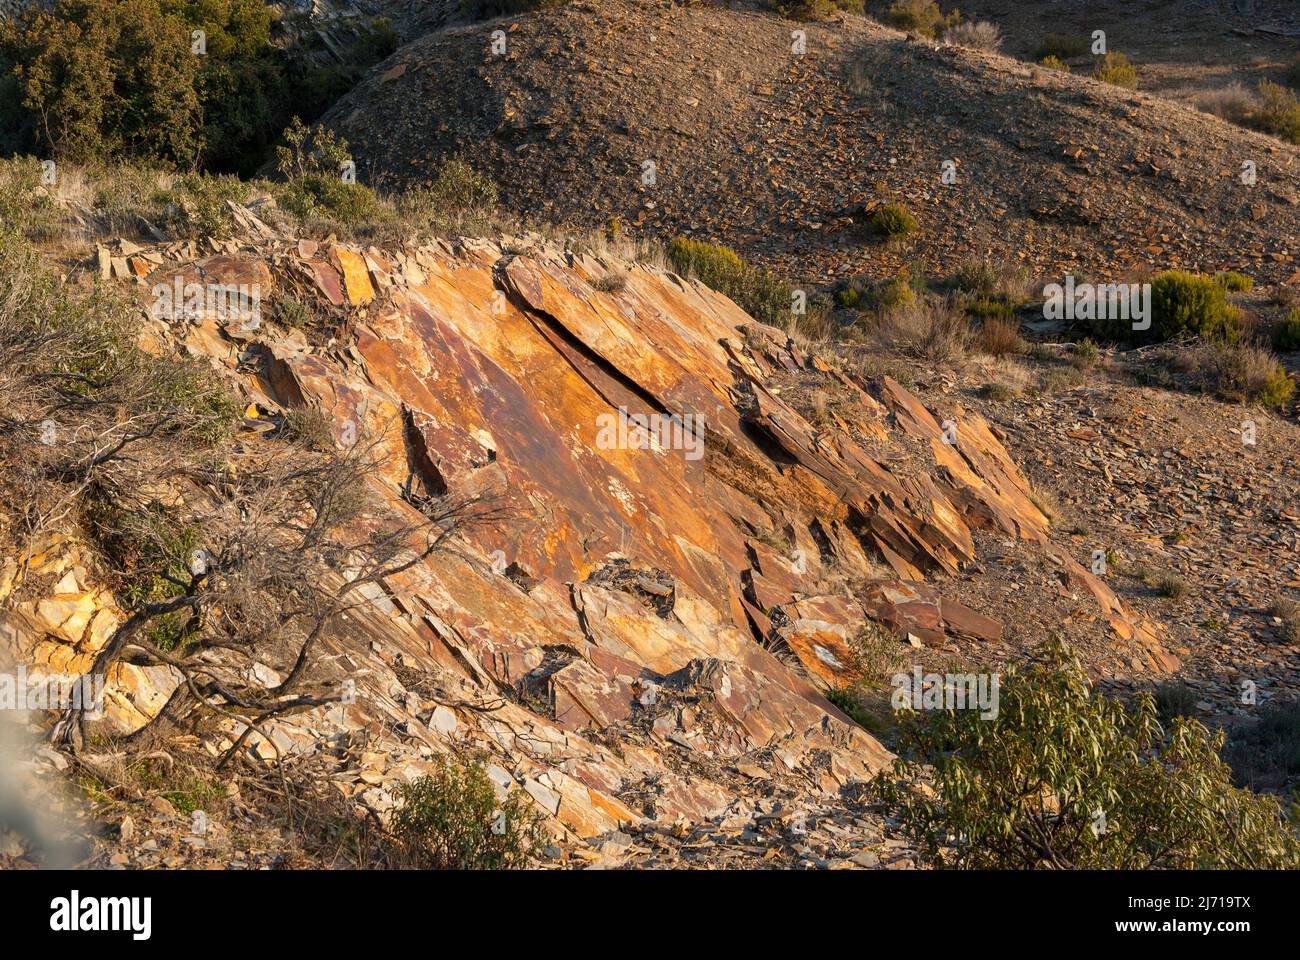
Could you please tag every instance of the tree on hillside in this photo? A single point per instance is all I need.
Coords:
(1065, 778)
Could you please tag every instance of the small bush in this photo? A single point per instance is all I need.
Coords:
(202, 201)
(1288, 611)
(1173, 587)
(312, 165)
(762, 295)
(1174, 699)
(1188, 304)
(25, 203)
(1286, 334)
(1115, 69)
(978, 35)
(1284, 608)
(1242, 372)
(927, 328)
(982, 278)
(288, 311)
(1233, 103)
(1053, 62)
(1265, 753)
(1062, 380)
(999, 337)
(998, 392)
(309, 427)
(456, 192)
(610, 283)
(1065, 778)
(922, 16)
(1278, 111)
(1234, 282)
(893, 220)
(1086, 355)
(452, 820)
(1063, 46)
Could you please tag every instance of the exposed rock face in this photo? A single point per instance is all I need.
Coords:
(613, 629)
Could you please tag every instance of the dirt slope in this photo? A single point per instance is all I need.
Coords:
(1182, 48)
(779, 154)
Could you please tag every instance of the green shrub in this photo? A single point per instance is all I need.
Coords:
(893, 220)
(1063, 777)
(1115, 69)
(1234, 282)
(1278, 111)
(1190, 304)
(1276, 390)
(1062, 46)
(25, 203)
(202, 201)
(922, 16)
(851, 701)
(1086, 354)
(1286, 335)
(712, 264)
(1052, 62)
(886, 294)
(312, 163)
(290, 312)
(150, 549)
(893, 292)
(457, 191)
(451, 820)
(761, 294)
(1241, 372)
(986, 308)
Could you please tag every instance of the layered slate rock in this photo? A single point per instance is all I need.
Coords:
(617, 625)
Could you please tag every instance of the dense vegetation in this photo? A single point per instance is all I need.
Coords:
(196, 84)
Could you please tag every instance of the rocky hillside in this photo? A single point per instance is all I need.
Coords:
(641, 637)
(784, 155)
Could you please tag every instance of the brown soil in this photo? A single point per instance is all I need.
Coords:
(782, 156)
